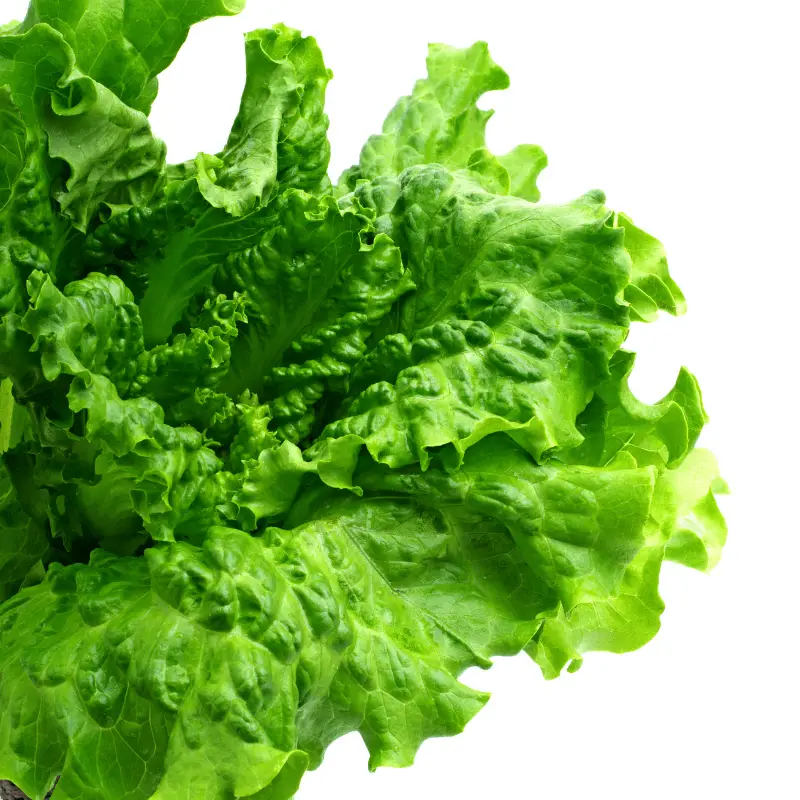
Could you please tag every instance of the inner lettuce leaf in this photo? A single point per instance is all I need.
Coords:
(282, 455)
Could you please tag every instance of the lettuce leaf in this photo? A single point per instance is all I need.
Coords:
(219, 664)
(280, 134)
(125, 46)
(686, 526)
(123, 162)
(512, 325)
(440, 123)
(684, 522)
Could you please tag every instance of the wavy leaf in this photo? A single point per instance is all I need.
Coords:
(279, 137)
(124, 163)
(516, 341)
(218, 664)
(651, 288)
(317, 289)
(685, 526)
(440, 123)
(125, 46)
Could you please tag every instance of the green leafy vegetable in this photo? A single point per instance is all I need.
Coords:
(281, 458)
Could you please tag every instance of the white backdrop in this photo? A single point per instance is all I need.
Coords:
(682, 113)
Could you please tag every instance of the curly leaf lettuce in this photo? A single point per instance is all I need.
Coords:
(281, 456)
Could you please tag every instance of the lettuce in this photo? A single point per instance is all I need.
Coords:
(280, 458)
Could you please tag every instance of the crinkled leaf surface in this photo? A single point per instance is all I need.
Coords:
(110, 152)
(124, 45)
(511, 327)
(316, 289)
(224, 668)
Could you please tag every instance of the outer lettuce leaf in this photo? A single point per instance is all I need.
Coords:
(122, 164)
(686, 526)
(684, 523)
(577, 527)
(460, 566)
(511, 328)
(440, 123)
(125, 45)
(651, 288)
(218, 666)
(279, 137)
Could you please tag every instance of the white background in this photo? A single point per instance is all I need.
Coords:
(682, 113)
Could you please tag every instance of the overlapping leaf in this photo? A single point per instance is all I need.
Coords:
(511, 327)
(122, 162)
(317, 288)
(125, 46)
